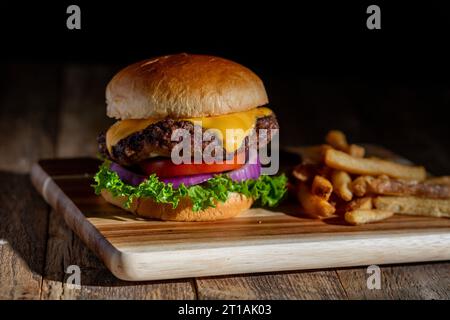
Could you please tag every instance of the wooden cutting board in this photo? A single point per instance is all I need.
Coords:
(259, 240)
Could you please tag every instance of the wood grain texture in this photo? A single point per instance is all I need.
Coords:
(23, 233)
(83, 90)
(27, 132)
(286, 285)
(257, 241)
(415, 281)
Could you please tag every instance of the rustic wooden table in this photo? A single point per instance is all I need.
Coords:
(56, 111)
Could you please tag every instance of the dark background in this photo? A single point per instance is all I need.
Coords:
(322, 67)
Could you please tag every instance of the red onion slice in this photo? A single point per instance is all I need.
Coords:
(126, 175)
(248, 171)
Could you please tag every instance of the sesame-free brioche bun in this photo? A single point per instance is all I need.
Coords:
(147, 208)
(183, 85)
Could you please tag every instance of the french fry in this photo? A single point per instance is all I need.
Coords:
(321, 187)
(439, 180)
(341, 161)
(363, 216)
(314, 205)
(359, 185)
(356, 151)
(414, 206)
(341, 181)
(395, 187)
(359, 203)
(337, 140)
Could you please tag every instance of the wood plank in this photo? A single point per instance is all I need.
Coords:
(297, 285)
(415, 281)
(29, 100)
(256, 241)
(82, 118)
(23, 233)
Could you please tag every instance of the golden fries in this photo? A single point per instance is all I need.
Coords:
(321, 187)
(337, 140)
(439, 180)
(414, 206)
(314, 205)
(359, 185)
(359, 203)
(342, 161)
(362, 216)
(341, 181)
(337, 178)
(385, 186)
(356, 151)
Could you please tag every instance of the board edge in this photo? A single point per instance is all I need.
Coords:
(77, 222)
(279, 257)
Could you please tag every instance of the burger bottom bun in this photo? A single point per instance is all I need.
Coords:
(147, 208)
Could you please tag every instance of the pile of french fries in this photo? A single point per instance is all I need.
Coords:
(336, 179)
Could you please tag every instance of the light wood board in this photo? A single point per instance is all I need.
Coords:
(259, 240)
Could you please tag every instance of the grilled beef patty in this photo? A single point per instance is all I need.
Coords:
(156, 139)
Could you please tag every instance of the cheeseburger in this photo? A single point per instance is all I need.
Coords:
(154, 99)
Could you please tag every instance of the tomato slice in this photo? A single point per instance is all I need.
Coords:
(164, 168)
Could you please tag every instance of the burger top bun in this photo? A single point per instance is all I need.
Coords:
(183, 85)
(147, 208)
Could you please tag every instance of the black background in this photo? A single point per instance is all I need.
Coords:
(322, 67)
(327, 38)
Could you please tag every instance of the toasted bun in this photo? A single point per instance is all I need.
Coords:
(183, 85)
(147, 208)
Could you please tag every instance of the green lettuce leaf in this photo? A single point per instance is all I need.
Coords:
(266, 190)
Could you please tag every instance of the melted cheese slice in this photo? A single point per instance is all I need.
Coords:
(240, 122)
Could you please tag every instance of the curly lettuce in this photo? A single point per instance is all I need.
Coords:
(266, 190)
